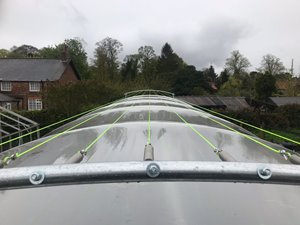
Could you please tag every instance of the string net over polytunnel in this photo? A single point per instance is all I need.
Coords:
(175, 129)
(114, 150)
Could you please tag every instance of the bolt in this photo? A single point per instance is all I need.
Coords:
(284, 154)
(153, 170)
(264, 173)
(37, 178)
(217, 150)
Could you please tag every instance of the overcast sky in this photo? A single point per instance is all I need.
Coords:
(202, 32)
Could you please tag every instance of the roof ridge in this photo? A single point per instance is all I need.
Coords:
(30, 59)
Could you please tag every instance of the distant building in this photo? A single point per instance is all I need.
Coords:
(288, 87)
(231, 103)
(280, 101)
(22, 81)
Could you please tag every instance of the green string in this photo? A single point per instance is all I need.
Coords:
(55, 136)
(56, 123)
(105, 131)
(247, 124)
(196, 131)
(244, 135)
(17, 155)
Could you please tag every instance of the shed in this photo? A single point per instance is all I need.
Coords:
(280, 101)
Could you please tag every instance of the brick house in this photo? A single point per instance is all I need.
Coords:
(24, 80)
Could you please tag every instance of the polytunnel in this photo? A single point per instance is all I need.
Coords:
(149, 158)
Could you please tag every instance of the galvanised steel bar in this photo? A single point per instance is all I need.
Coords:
(145, 171)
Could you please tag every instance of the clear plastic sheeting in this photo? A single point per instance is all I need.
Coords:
(177, 132)
(173, 126)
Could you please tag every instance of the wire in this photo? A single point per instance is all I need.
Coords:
(18, 155)
(55, 136)
(104, 132)
(196, 131)
(244, 135)
(250, 125)
(59, 122)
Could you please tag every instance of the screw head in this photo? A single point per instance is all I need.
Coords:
(37, 178)
(264, 173)
(153, 170)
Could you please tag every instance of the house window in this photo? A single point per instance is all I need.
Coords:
(35, 104)
(7, 105)
(34, 86)
(5, 86)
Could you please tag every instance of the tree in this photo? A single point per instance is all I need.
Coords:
(210, 74)
(130, 69)
(233, 87)
(237, 64)
(23, 51)
(265, 86)
(78, 55)
(169, 61)
(70, 49)
(147, 62)
(222, 78)
(50, 52)
(106, 57)
(189, 81)
(272, 65)
(4, 53)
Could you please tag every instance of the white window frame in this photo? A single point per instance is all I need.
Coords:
(7, 105)
(5, 86)
(34, 86)
(35, 104)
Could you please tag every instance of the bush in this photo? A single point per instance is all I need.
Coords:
(291, 113)
(284, 117)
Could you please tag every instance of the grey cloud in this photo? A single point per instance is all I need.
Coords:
(211, 44)
(214, 42)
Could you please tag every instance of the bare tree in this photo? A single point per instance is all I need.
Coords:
(237, 64)
(272, 65)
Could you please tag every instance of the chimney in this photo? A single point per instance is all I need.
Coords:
(65, 53)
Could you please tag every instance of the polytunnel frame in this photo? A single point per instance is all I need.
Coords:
(144, 171)
(148, 171)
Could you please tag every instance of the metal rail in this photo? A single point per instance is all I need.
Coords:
(149, 91)
(119, 172)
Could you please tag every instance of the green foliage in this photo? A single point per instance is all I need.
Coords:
(4, 53)
(189, 81)
(23, 51)
(130, 69)
(78, 55)
(106, 58)
(284, 117)
(71, 48)
(51, 52)
(223, 78)
(169, 61)
(233, 87)
(76, 97)
(264, 86)
(147, 63)
(291, 113)
(210, 74)
(242, 85)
